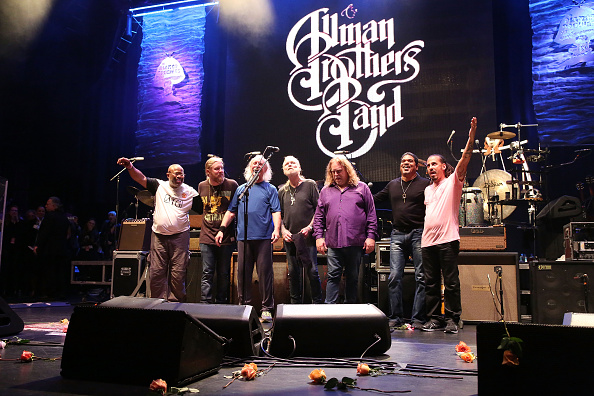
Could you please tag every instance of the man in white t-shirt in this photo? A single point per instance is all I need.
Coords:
(170, 240)
(440, 243)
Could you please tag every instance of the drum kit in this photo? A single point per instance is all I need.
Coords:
(496, 193)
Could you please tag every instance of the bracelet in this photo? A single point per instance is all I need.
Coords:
(223, 229)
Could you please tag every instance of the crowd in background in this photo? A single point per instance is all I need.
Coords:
(28, 272)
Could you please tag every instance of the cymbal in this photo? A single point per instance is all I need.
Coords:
(146, 198)
(132, 190)
(493, 184)
(501, 135)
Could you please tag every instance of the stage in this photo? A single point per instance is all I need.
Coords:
(423, 351)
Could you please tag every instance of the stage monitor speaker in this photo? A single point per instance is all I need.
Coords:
(557, 288)
(137, 346)
(239, 324)
(340, 330)
(10, 322)
(477, 300)
(554, 360)
(135, 235)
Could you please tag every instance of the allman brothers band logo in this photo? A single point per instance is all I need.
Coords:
(333, 61)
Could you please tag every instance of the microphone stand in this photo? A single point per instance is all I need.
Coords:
(246, 194)
(117, 177)
(499, 272)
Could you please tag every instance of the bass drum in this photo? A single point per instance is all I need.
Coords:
(493, 184)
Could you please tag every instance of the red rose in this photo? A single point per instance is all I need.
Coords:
(362, 369)
(27, 356)
(158, 385)
(468, 357)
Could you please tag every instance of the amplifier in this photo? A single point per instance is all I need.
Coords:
(483, 238)
(579, 241)
(135, 235)
(382, 254)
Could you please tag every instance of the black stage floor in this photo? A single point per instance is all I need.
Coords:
(42, 377)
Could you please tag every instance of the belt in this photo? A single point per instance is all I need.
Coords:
(405, 230)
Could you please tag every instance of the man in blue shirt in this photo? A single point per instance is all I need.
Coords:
(345, 225)
(264, 221)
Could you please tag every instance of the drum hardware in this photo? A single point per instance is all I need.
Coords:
(493, 184)
(143, 196)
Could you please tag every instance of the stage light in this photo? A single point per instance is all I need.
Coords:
(165, 7)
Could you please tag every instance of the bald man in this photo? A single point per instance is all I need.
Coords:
(170, 240)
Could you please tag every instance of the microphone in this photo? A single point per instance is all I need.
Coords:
(272, 148)
(451, 136)
(252, 154)
(342, 152)
(137, 159)
(581, 150)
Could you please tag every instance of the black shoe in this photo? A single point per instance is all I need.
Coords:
(417, 325)
(394, 322)
(451, 327)
(433, 325)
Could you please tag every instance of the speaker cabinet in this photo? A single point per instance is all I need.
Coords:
(476, 268)
(239, 324)
(281, 281)
(408, 290)
(135, 234)
(136, 346)
(10, 322)
(558, 287)
(329, 330)
(555, 360)
(128, 268)
(194, 278)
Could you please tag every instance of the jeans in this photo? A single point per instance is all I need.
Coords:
(441, 260)
(215, 260)
(347, 260)
(296, 268)
(401, 246)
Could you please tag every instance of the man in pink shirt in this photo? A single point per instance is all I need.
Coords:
(440, 243)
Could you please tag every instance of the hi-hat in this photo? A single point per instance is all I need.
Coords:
(501, 135)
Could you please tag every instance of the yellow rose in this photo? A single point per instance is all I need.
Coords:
(317, 376)
(362, 369)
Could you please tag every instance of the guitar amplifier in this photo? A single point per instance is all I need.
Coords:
(135, 235)
(483, 238)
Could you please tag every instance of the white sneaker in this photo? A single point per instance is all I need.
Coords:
(266, 317)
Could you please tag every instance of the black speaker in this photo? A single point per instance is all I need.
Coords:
(194, 278)
(408, 290)
(554, 360)
(127, 271)
(239, 324)
(558, 287)
(136, 346)
(135, 234)
(329, 330)
(10, 322)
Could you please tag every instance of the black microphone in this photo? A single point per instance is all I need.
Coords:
(451, 136)
(342, 152)
(137, 159)
(272, 148)
(252, 153)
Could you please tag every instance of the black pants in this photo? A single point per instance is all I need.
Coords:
(441, 260)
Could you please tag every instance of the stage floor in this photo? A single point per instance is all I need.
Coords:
(42, 377)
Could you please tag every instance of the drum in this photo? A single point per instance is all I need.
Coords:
(471, 207)
(493, 184)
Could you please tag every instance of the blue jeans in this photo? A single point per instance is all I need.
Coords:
(402, 245)
(296, 268)
(347, 260)
(215, 260)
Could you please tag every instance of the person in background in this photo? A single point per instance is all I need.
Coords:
(109, 235)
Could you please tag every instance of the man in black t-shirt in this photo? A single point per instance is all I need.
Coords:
(407, 195)
(298, 198)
